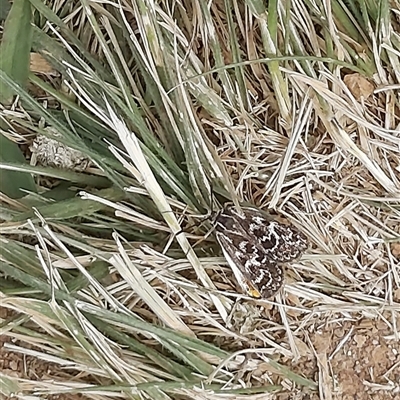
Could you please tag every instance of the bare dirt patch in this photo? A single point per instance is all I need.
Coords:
(353, 360)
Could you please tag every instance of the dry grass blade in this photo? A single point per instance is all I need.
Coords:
(111, 286)
(133, 277)
(147, 178)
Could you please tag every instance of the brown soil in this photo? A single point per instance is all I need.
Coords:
(353, 361)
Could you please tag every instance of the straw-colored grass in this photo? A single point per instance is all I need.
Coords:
(121, 291)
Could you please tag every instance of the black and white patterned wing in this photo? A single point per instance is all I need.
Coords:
(282, 243)
(256, 246)
(257, 275)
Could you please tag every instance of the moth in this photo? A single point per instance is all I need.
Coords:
(257, 247)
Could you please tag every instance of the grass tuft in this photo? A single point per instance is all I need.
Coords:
(112, 284)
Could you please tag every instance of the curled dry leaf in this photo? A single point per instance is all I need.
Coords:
(39, 65)
(359, 86)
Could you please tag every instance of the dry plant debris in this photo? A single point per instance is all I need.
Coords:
(305, 138)
(47, 151)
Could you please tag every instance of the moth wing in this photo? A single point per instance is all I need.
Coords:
(269, 278)
(282, 243)
(235, 262)
(257, 275)
(228, 221)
